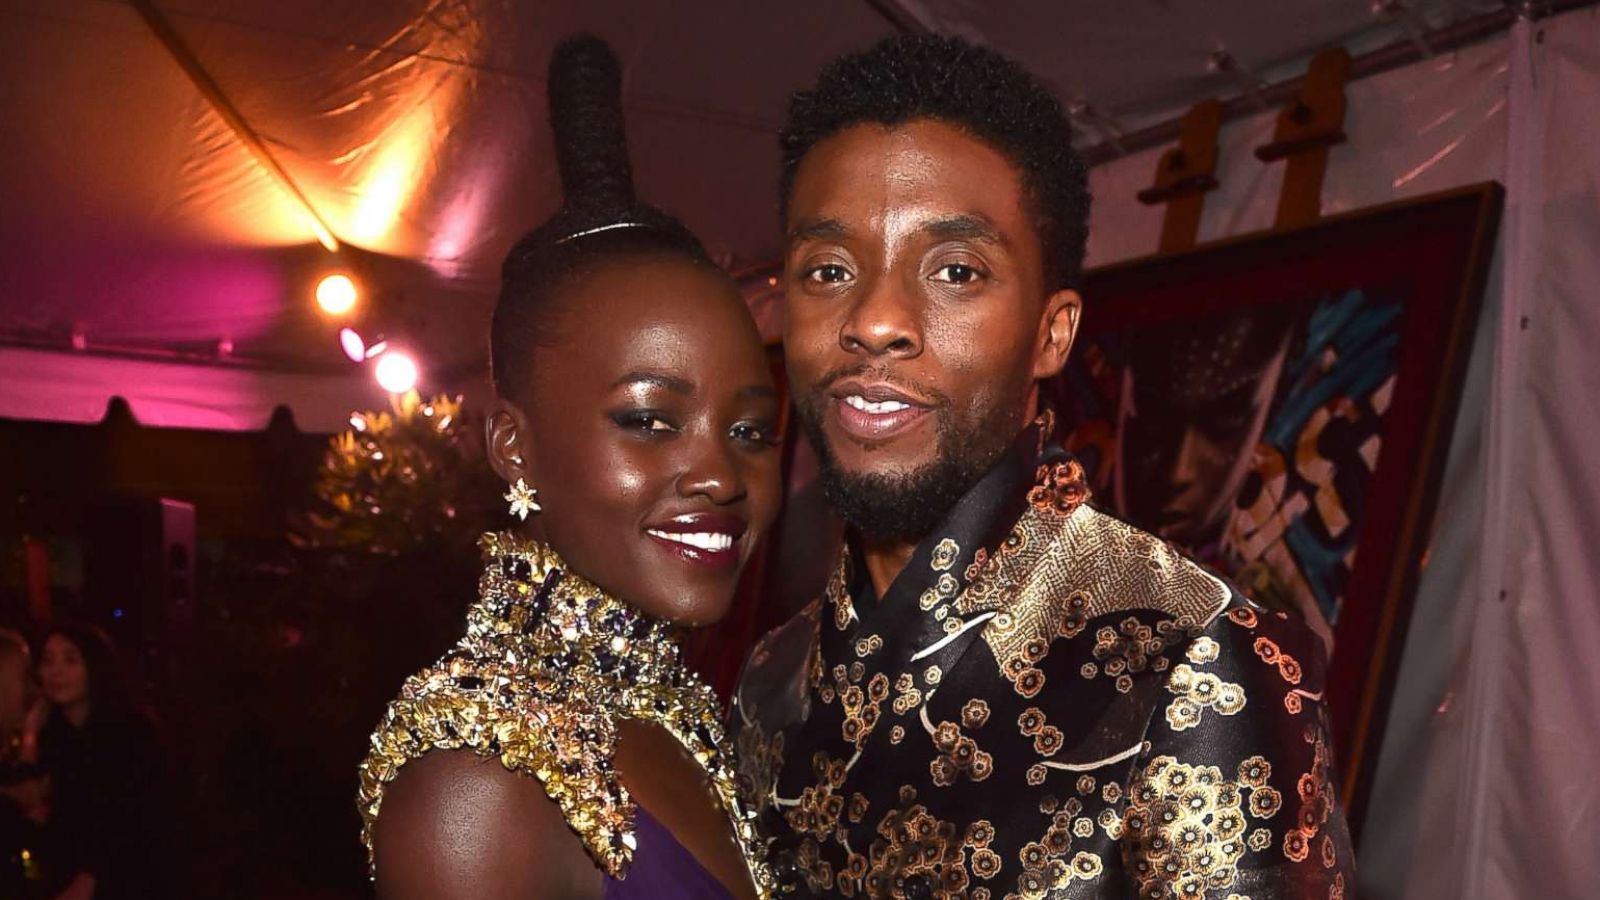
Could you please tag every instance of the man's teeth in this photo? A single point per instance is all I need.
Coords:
(703, 540)
(876, 409)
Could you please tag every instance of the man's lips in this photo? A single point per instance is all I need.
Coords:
(711, 539)
(876, 412)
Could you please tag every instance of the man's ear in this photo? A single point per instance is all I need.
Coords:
(506, 434)
(1057, 330)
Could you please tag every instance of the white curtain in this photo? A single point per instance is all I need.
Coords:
(1487, 785)
(53, 386)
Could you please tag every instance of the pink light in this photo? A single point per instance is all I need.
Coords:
(377, 348)
(352, 344)
(396, 372)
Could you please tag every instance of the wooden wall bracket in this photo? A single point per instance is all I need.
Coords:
(1311, 124)
(1184, 175)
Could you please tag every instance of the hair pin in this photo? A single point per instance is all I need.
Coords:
(588, 231)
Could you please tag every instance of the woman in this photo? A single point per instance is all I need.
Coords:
(561, 749)
(105, 771)
(22, 788)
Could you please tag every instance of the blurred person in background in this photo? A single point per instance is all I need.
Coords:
(105, 767)
(23, 797)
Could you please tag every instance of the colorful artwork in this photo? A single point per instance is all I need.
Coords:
(1250, 441)
(1279, 406)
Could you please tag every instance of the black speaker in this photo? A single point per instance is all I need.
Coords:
(139, 570)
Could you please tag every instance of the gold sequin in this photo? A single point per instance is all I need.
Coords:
(548, 665)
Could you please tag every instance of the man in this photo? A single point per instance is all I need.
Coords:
(1004, 692)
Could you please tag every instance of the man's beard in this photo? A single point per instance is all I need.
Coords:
(906, 507)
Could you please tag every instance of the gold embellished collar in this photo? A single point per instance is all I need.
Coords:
(548, 665)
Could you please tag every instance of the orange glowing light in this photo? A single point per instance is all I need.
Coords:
(336, 294)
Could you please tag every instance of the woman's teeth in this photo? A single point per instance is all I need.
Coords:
(876, 409)
(702, 540)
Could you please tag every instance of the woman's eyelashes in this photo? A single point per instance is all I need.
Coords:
(756, 432)
(650, 422)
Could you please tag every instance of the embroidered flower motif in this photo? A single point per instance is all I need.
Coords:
(985, 863)
(1197, 691)
(1295, 845)
(1031, 720)
(1036, 774)
(1086, 866)
(944, 555)
(1184, 821)
(1260, 839)
(1267, 649)
(1030, 683)
(980, 833)
(975, 713)
(1083, 827)
(1060, 488)
(1255, 771)
(1265, 802)
(1203, 650)
(1048, 741)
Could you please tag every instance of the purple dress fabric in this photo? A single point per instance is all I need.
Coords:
(662, 868)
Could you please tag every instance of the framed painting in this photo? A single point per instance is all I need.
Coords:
(1280, 405)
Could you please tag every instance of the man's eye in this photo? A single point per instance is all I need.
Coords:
(828, 273)
(956, 273)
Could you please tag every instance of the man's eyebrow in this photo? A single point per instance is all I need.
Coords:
(670, 382)
(965, 228)
(818, 229)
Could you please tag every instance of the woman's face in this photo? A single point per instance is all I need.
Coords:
(650, 436)
(63, 677)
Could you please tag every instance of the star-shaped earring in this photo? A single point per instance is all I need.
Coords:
(523, 499)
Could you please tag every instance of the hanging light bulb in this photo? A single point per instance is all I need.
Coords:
(352, 344)
(336, 294)
(396, 372)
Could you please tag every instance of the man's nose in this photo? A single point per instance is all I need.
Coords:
(885, 321)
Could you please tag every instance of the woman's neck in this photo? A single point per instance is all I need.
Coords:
(76, 714)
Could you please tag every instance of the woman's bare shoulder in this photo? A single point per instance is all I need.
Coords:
(458, 825)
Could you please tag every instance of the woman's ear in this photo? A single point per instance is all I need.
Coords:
(1058, 328)
(505, 432)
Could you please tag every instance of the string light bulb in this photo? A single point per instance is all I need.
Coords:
(336, 294)
(396, 372)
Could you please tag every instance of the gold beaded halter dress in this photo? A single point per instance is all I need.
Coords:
(548, 665)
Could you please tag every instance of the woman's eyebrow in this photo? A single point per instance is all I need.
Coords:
(669, 382)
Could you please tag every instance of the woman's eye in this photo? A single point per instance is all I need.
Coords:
(828, 273)
(956, 273)
(754, 433)
(645, 421)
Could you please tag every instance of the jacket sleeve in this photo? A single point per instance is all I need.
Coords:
(1234, 795)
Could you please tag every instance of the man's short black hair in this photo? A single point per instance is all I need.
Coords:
(973, 88)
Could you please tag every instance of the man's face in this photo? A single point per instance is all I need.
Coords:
(918, 317)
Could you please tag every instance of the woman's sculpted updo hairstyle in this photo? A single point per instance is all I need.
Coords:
(599, 222)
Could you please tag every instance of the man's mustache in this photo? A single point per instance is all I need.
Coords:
(867, 371)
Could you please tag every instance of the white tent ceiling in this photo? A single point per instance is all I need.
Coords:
(136, 217)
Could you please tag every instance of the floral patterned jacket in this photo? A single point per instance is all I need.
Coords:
(1047, 702)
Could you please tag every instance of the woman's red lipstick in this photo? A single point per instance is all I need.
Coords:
(709, 539)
